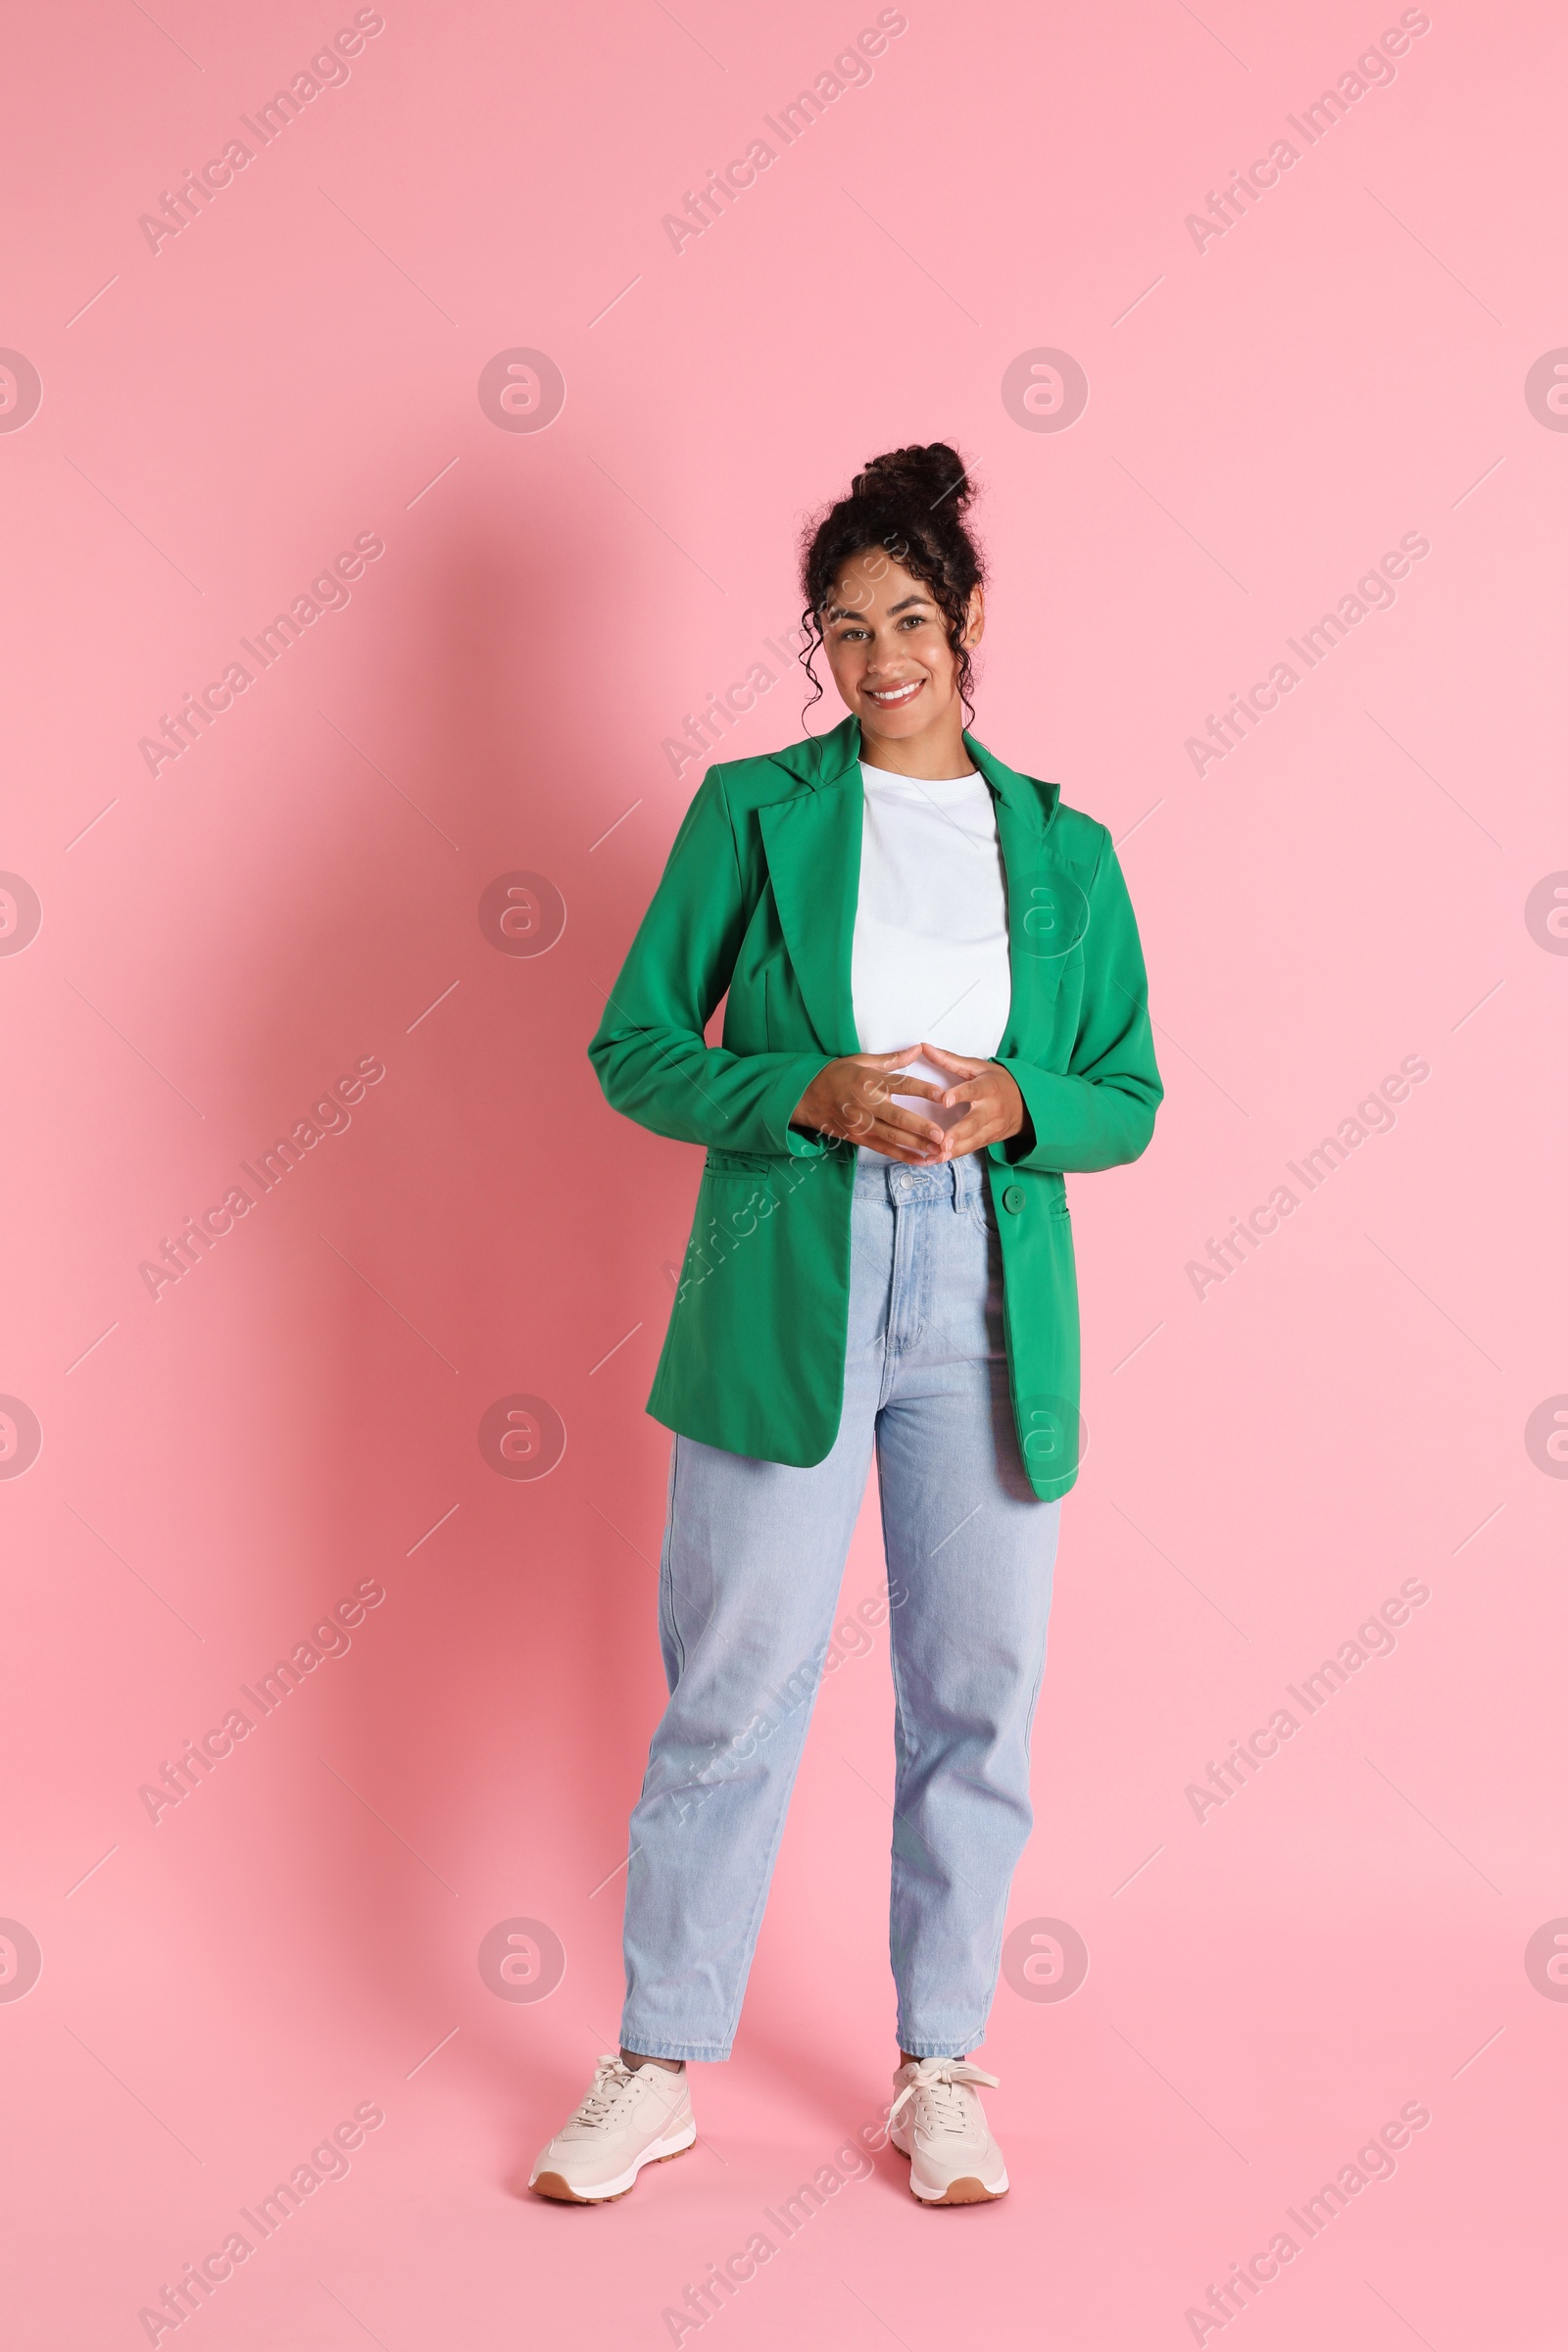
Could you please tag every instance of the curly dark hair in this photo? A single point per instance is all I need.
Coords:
(909, 502)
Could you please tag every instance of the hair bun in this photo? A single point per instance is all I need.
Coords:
(932, 472)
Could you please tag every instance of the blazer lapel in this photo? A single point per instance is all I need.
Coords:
(813, 841)
(1024, 810)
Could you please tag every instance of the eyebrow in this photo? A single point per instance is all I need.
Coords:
(843, 611)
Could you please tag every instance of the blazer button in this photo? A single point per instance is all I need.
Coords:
(1012, 1199)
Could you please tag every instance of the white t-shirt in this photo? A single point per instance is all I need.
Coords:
(930, 956)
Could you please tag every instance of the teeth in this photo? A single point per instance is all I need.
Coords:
(893, 694)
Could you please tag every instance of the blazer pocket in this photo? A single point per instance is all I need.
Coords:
(739, 1163)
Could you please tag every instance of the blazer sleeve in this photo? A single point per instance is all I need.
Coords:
(649, 1052)
(1101, 1111)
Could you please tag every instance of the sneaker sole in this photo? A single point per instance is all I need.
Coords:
(556, 2185)
(967, 2190)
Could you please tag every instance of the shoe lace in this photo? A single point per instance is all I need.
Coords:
(938, 2105)
(612, 2079)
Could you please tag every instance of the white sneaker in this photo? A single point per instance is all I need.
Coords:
(938, 2122)
(626, 2120)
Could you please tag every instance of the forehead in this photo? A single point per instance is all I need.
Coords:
(873, 581)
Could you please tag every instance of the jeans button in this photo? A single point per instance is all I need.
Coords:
(1012, 1199)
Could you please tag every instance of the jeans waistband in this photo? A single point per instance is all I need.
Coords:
(899, 1184)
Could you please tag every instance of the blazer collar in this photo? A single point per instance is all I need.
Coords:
(825, 760)
(813, 839)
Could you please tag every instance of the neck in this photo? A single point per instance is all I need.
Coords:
(937, 752)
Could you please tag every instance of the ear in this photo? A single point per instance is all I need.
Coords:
(975, 626)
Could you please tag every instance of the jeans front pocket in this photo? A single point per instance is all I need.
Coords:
(978, 1206)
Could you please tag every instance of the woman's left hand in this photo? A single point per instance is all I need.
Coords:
(996, 1107)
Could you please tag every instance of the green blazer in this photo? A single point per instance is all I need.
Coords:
(757, 899)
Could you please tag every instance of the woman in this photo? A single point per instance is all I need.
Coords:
(936, 1006)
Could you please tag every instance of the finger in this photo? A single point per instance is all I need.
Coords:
(878, 1112)
(854, 1122)
(885, 1061)
(924, 1132)
(885, 1096)
(980, 1086)
(967, 1062)
(905, 1083)
(895, 1144)
(972, 1133)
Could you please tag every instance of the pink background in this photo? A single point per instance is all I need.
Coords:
(301, 887)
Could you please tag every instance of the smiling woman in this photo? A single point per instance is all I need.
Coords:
(934, 1006)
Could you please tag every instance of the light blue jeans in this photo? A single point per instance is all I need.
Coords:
(753, 1558)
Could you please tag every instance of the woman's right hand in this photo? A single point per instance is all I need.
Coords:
(853, 1098)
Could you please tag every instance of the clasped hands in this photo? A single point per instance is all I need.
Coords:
(853, 1098)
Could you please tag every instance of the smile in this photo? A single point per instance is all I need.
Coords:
(892, 697)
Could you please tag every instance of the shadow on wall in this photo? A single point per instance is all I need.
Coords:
(501, 1228)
